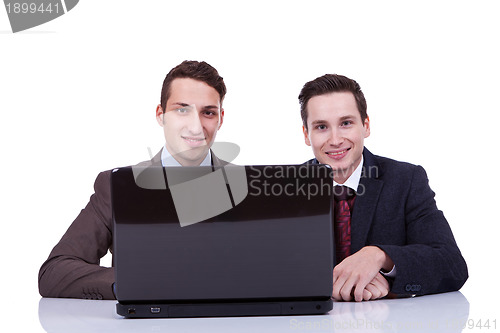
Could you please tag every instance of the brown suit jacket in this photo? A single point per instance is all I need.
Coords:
(72, 269)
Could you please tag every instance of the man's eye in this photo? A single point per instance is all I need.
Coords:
(182, 110)
(209, 114)
(321, 127)
(346, 123)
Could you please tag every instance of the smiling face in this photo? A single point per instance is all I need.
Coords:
(336, 132)
(193, 115)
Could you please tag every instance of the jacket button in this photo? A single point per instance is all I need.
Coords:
(413, 287)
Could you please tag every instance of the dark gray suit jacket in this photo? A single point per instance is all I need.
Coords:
(72, 269)
(396, 211)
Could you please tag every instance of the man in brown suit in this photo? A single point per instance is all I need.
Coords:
(190, 113)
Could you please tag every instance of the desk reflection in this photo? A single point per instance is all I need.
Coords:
(433, 313)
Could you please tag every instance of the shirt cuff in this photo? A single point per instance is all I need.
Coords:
(391, 273)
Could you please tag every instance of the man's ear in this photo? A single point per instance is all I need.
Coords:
(367, 127)
(306, 135)
(221, 117)
(159, 115)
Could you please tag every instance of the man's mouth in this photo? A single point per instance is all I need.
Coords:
(338, 154)
(194, 141)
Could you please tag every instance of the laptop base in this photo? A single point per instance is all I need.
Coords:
(224, 309)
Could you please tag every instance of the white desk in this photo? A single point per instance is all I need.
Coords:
(433, 313)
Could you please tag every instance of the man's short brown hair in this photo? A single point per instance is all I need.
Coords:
(330, 83)
(195, 70)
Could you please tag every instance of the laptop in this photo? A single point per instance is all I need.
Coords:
(227, 241)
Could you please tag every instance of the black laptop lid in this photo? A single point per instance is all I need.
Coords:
(270, 236)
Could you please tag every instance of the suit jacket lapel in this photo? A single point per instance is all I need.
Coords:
(366, 201)
(217, 162)
(156, 160)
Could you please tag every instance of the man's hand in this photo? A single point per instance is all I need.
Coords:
(358, 275)
(377, 288)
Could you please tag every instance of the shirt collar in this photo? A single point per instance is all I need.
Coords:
(168, 160)
(353, 180)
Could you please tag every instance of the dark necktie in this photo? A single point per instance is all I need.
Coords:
(343, 201)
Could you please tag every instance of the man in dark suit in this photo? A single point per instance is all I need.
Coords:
(389, 234)
(190, 113)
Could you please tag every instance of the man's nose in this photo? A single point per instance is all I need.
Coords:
(194, 125)
(336, 138)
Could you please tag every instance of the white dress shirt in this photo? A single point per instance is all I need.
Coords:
(168, 160)
(353, 181)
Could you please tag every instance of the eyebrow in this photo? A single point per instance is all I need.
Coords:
(209, 107)
(180, 104)
(347, 117)
(318, 122)
(343, 118)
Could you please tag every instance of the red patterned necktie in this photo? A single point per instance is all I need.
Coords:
(343, 201)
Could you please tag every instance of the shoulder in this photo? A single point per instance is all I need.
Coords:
(381, 167)
(103, 179)
(401, 180)
(311, 161)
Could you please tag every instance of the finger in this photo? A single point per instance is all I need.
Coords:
(358, 293)
(379, 286)
(360, 287)
(367, 295)
(384, 282)
(346, 291)
(336, 273)
(381, 282)
(339, 279)
(373, 290)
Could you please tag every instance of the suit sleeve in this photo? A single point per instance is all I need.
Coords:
(72, 269)
(431, 261)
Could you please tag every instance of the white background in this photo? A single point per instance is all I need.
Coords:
(78, 95)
